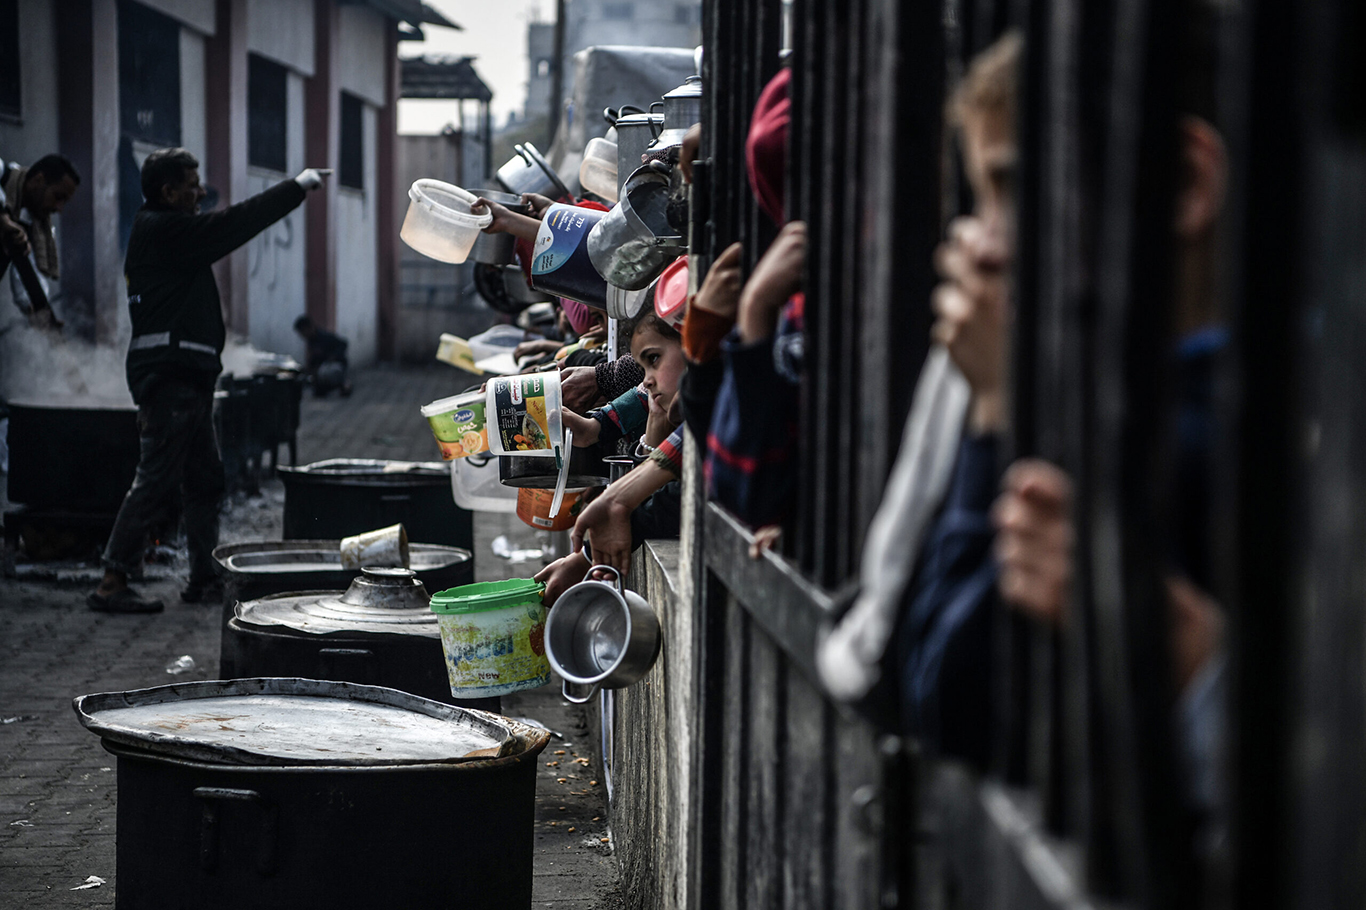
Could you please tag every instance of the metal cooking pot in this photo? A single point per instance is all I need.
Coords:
(585, 470)
(618, 466)
(601, 636)
(498, 249)
(219, 833)
(504, 288)
(528, 172)
(633, 243)
(635, 131)
(380, 631)
(259, 568)
(339, 497)
(682, 108)
(52, 446)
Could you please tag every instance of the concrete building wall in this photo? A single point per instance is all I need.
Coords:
(283, 31)
(30, 140)
(361, 53)
(357, 254)
(198, 14)
(276, 260)
(193, 124)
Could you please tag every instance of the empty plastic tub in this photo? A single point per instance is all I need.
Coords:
(440, 223)
(598, 172)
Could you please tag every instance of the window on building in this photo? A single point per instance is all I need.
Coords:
(267, 93)
(618, 11)
(11, 97)
(542, 68)
(352, 163)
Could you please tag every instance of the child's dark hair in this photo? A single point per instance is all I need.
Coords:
(648, 317)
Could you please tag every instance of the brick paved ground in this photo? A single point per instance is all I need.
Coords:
(57, 789)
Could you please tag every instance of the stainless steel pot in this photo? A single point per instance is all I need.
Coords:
(633, 242)
(600, 635)
(528, 172)
(585, 470)
(682, 108)
(635, 132)
(498, 249)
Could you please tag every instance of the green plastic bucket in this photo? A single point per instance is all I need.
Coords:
(493, 635)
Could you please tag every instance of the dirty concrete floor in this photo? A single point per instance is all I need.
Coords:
(58, 797)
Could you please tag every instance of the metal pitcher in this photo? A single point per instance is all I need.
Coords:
(633, 243)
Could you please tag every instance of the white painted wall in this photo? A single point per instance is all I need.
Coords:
(197, 14)
(283, 31)
(36, 136)
(360, 37)
(277, 257)
(192, 113)
(357, 255)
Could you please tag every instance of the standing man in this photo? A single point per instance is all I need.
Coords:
(33, 195)
(173, 363)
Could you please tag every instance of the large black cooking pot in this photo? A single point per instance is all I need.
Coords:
(341, 497)
(259, 568)
(197, 833)
(54, 446)
(410, 664)
(380, 631)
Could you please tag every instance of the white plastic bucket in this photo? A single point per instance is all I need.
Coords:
(523, 415)
(440, 223)
(475, 486)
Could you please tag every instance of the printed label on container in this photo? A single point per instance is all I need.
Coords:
(521, 420)
(461, 432)
(499, 650)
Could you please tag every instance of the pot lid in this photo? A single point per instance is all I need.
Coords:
(487, 595)
(294, 722)
(380, 600)
(368, 472)
(280, 557)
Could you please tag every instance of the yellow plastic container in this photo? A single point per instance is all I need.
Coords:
(458, 425)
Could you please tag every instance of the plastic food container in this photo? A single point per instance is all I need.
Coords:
(458, 425)
(476, 487)
(524, 415)
(560, 263)
(440, 223)
(493, 636)
(533, 507)
(598, 171)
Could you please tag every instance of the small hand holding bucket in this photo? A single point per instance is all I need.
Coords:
(382, 547)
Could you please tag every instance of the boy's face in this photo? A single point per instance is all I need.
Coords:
(990, 156)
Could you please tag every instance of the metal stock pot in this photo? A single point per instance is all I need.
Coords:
(633, 243)
(498, 249)
(600, 635)
(284, 793)
(528, 172)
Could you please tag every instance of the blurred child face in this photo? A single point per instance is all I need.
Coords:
(989, 158)
(662, 360)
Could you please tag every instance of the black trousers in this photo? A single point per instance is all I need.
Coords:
(178, 457)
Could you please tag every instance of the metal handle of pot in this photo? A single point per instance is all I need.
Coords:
(653, 132)
(616, 573)
(578, 700)
(208, 829)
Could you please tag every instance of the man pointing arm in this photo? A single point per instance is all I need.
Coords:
(173, 363)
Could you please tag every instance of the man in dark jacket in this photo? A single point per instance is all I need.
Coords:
(173, 363)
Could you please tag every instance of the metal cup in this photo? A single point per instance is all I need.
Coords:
(382, 547)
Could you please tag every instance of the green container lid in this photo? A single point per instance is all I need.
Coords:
(487, 595)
